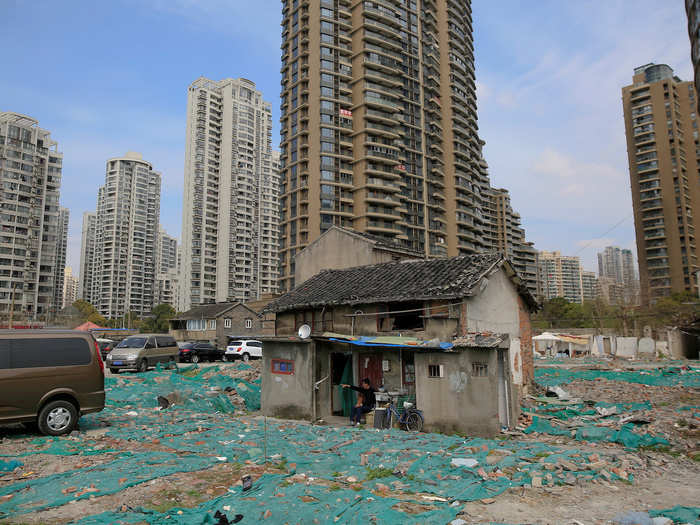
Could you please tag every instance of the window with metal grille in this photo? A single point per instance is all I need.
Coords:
(436, 371)
(480, 369)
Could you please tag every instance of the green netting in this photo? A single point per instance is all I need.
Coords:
(8, 466)
(668, 376)
(679, 514)
(588, 432)
(198, 432)
(570, 410)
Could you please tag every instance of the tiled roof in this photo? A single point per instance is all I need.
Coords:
(481, 340)
(405, 280)
(206, 311)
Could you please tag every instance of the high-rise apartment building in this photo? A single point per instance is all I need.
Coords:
(30, 180)
(61, 252)
(166, 284)
(125, 238)
(617, 265)
(231, 212)
(662, 145)
(589, 283)
(503, 232)
(87, 256)
(378, 123)
(70, 287)
(692, 8)
(560, 276)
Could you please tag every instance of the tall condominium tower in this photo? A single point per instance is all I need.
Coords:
(166, 286)
(30, 180)
(125, 238)
(61, 251)
(503, 232)
(230, 212)
(87, 256)
(618, 264)
(560, 276)
(378, 125)
(662, 141)
(70, 287)
(692, 8)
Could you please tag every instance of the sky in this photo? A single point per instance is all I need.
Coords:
(110, 77)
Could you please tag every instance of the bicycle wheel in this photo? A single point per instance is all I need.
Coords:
(414, 422)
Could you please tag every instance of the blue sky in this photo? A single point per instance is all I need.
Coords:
(111, 77)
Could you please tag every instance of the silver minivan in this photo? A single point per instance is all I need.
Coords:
(138, 352)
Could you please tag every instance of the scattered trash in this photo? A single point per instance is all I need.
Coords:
(464, 462)
(247, 483)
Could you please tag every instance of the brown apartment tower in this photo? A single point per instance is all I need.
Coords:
(662, 146)
(379, 125)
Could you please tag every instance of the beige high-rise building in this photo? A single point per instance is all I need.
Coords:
(166, 284)
(379, 126)
(589, 284)
(70, 287)
(61, 253)
(87, 256)
(662, 145)
(503, 232)
(230, 214)
(30, 181)
(125, 238)
(560, 276)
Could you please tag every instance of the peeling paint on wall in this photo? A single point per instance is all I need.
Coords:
(458, 381)
(516, 367)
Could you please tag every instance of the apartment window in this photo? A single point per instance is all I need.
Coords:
(212, 324)
(249, 323)
(436, 370)
(480, 369)
(227, 323)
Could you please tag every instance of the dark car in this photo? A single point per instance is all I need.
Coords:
(196, 352)
(106, 346)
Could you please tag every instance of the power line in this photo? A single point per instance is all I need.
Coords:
(604, 233)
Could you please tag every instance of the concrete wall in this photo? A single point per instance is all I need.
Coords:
(626, 347)
(195, 335)
(496, 308)
(459, 402)
(336, 250)
(288, 396)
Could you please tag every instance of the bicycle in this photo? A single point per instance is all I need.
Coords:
(411, 419)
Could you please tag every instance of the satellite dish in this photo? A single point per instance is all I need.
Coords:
(304, 331)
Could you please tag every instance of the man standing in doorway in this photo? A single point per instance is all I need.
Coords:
(367, 401)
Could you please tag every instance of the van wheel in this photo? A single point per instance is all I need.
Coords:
(246, 357)
(195, 359)
(57, 418)
(224, 358)
(143, 366)
(114, 370)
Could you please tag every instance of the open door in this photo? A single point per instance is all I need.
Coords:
(503, 418)
(342, 399)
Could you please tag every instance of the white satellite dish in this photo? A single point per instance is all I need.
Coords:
(304, 331)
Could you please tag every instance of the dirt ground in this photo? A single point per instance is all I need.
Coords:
(650, 479)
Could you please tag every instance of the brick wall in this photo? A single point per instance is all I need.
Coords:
(526, 342)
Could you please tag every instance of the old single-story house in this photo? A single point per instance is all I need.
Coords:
(338, 248)
(452, 333)
(217, 322)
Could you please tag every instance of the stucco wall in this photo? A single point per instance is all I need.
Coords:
(496, 308)
(459, 402)
(337, 250)
(288, 396)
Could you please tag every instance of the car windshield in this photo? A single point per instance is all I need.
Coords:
(132, 342)
(234, 343)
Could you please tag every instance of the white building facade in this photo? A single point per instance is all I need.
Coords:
(230, 212)
(30, 181)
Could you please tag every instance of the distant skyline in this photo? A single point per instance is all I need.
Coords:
(113, 78)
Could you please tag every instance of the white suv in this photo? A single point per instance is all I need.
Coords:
(243, 350)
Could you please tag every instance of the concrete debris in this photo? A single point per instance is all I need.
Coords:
(464, 462)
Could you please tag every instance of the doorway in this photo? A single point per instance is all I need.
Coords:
(342, 399)
(370, 366)
(503, 418)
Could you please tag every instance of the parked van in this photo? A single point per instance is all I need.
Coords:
(138, 352)
(49, 377)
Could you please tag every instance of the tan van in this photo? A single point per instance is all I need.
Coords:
(49, 377)
(138, 352)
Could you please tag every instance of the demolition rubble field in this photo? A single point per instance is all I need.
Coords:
(597, 440)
